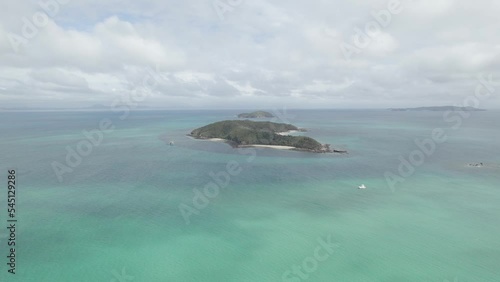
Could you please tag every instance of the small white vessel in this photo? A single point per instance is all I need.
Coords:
(171, 143)
(362, 186)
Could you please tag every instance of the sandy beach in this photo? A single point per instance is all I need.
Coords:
(249, 146)
(208, 139)
(269, 146)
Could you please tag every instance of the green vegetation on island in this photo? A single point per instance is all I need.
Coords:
(245, 133)
(257, 114)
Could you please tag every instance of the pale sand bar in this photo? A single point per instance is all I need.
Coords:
(287, 132)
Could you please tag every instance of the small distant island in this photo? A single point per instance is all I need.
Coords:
(246, 133)
(438, 109)
(257, 114)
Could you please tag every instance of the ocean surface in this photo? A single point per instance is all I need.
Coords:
(134, 209)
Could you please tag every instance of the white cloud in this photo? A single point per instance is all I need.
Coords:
(280, 52)
(383, 45)
(327, 86)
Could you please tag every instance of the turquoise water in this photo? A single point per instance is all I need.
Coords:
(116, 217)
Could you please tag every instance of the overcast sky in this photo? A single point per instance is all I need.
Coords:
(247, 53)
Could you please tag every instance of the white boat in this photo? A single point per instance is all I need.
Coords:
(171, 143)
(362, 186)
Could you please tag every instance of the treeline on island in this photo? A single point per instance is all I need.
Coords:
(245, 132)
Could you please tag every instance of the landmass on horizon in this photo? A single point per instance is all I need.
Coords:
(438, 109)
(256, 114)
(246, 133)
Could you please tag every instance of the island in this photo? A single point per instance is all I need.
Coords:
(257, 114)
(439, 109)
(246, 133)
